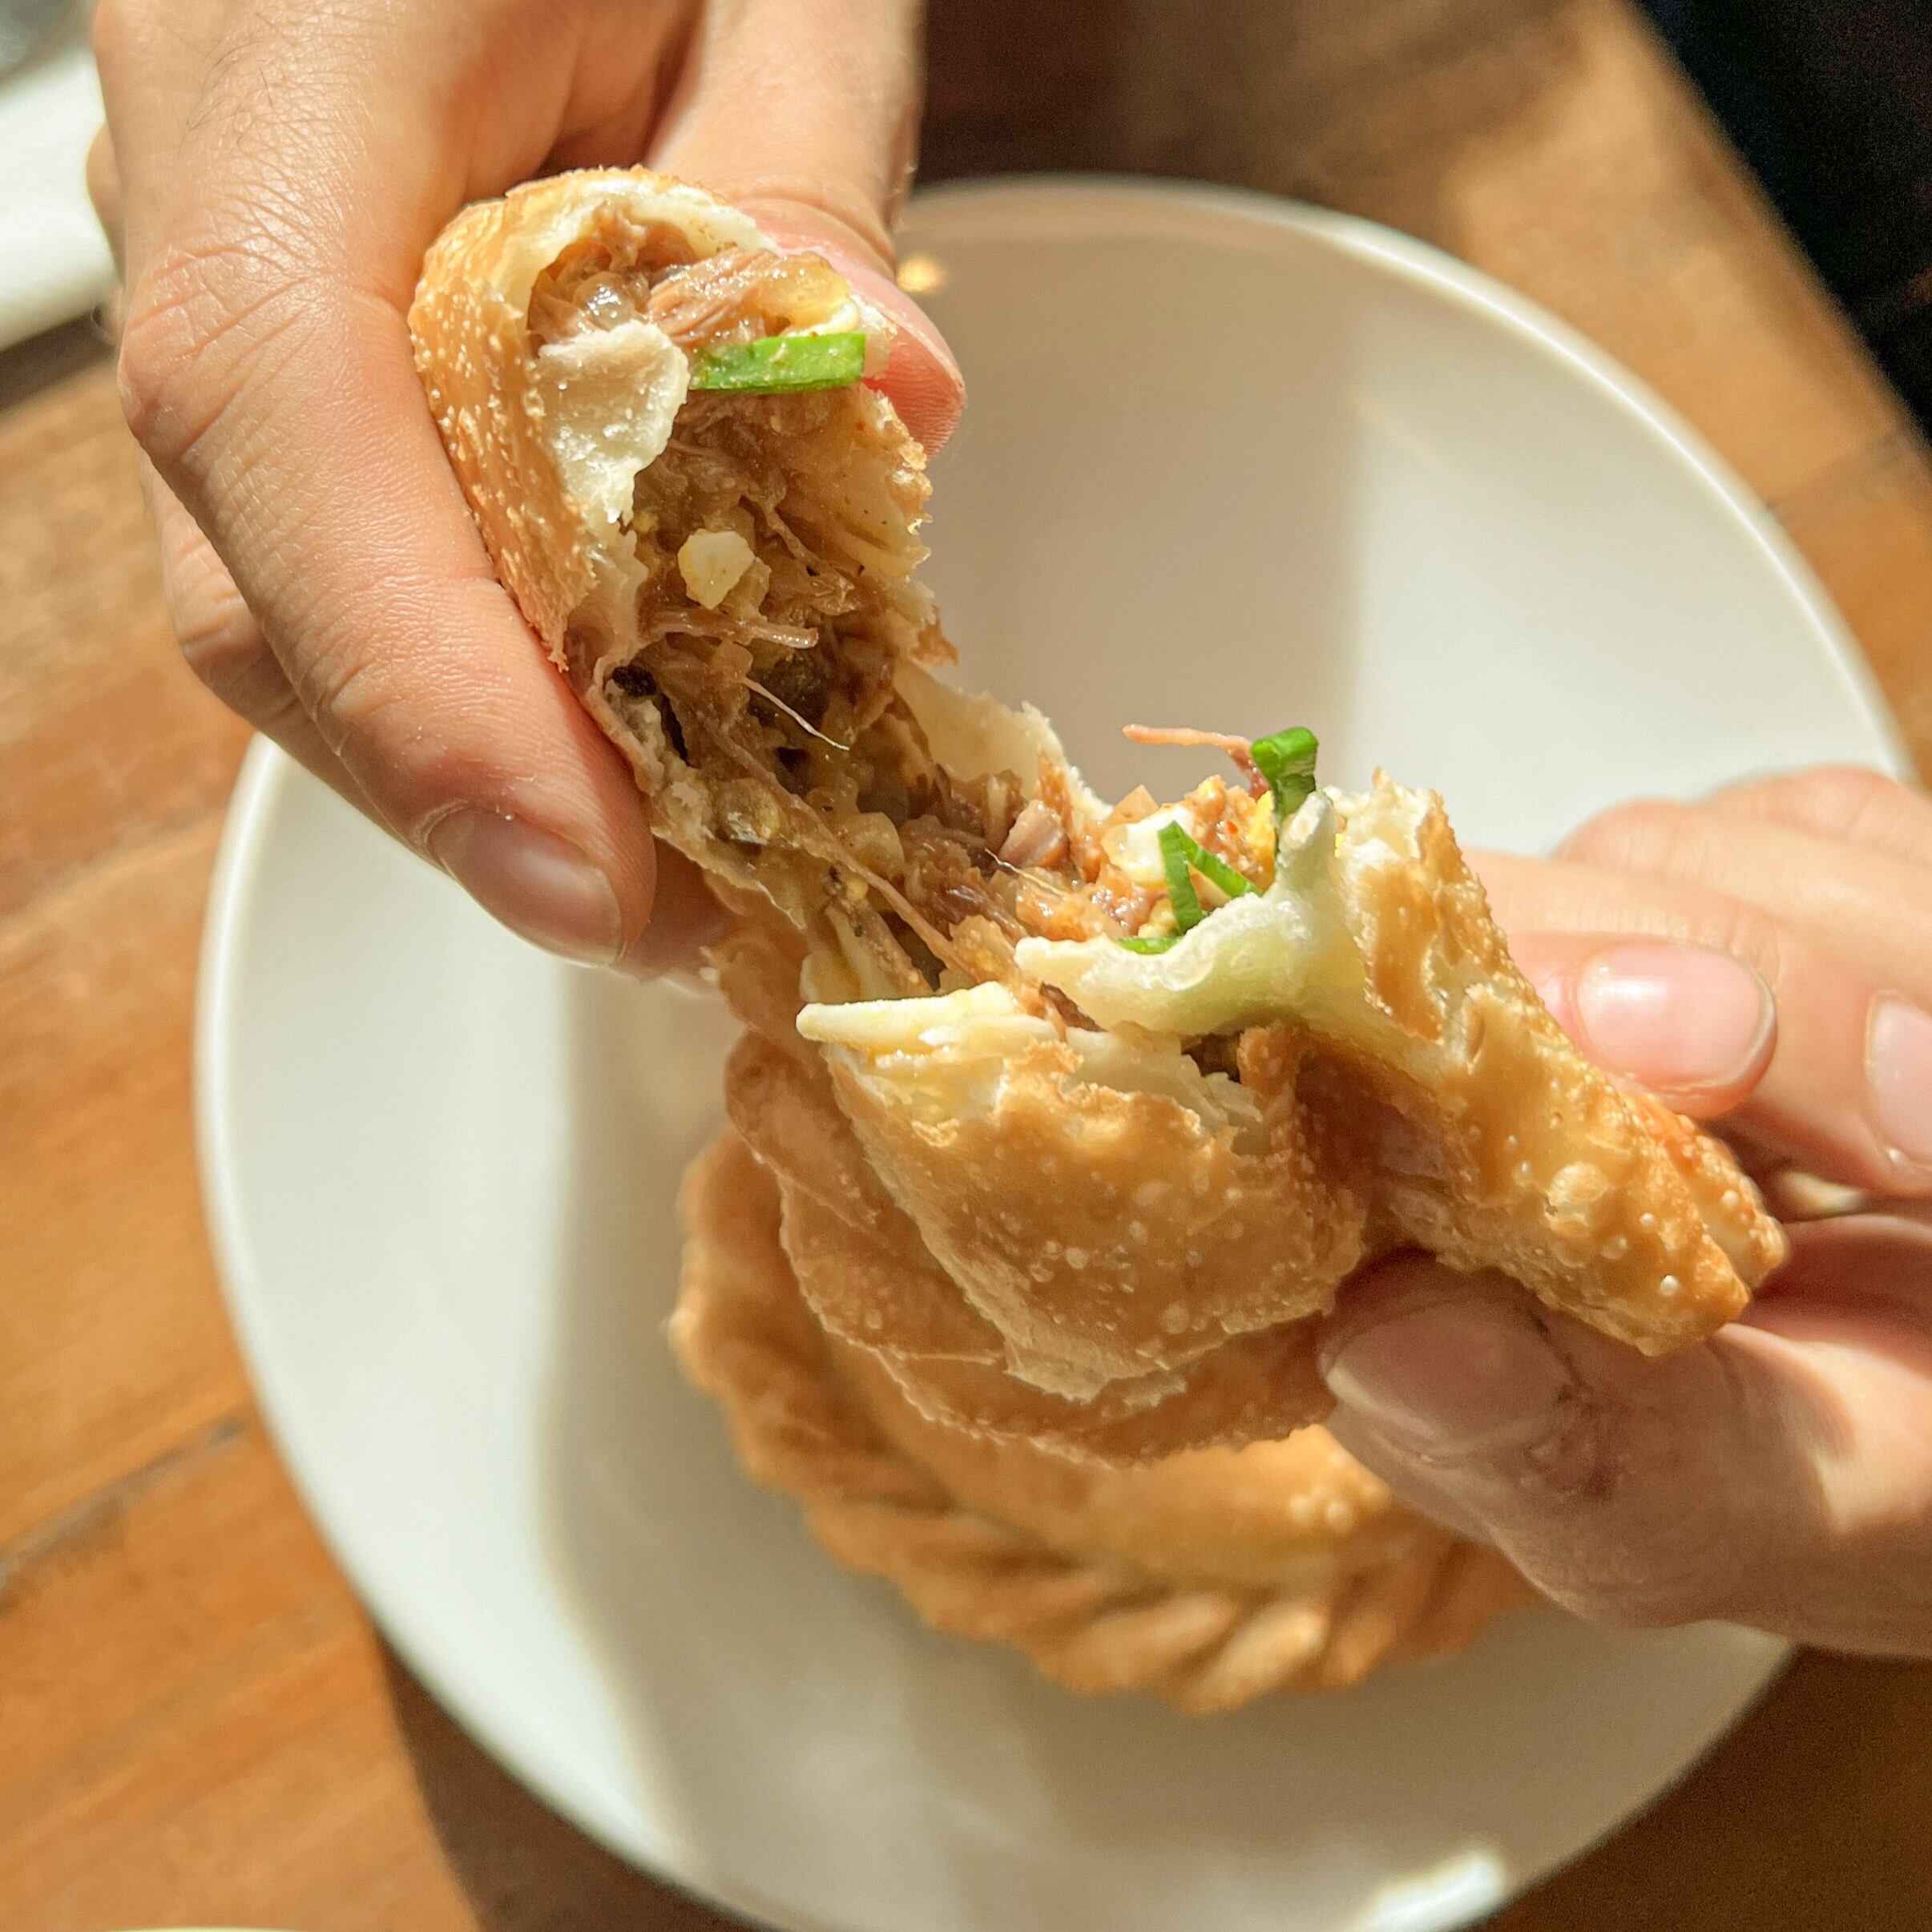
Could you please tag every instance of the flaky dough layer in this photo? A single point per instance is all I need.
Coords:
(1209, 1580)
(1054, 1219)
(1416, 1093)
(863, 1270)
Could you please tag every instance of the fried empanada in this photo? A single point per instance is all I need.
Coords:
(1140, 1086)
(1210, 1578)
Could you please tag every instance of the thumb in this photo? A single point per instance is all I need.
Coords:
(1757, 1477)
(806, 114)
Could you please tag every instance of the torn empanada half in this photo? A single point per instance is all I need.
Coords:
(1149, 1083)
(1209, 1578)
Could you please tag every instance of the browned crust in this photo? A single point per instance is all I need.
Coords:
(1106, 1234)
(1113, 1234)
(478, 367)
(470, 323)
(1112, 1613)
(1604, 1204)
(870, 1280)
(1091, 1267)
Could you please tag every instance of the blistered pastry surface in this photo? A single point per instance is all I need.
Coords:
(1028, 1246)
(1209, 1580)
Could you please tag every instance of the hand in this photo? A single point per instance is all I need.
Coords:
(271, 174)
(1765, 959)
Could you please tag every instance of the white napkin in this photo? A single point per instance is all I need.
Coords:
(53, 259)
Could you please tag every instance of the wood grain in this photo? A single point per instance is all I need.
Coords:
(196, 1723)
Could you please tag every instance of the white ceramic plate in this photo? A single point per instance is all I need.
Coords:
(1228, 463)
(58, 264)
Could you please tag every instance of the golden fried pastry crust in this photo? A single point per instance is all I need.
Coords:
(1058, 1186)
(866, 1274)
(1209, 1579)
(1108, 1210)
(563, 400)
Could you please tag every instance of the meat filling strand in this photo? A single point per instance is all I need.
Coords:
(765, 649)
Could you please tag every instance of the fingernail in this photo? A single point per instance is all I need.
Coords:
(1899, 1081)
(1448, 1381)
(535, 883)
(921, 375)
(686, 918)
(1678, 1019)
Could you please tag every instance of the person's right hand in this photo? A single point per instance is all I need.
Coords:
(1763, 959)
(271, 175)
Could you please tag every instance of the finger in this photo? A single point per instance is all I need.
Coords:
(805, 112)
(1694, 1026)
(1879, 1258)
(223, 645)
(267, 369)
(1848, 1084)
(104, 193)
(224, 648)
(1844, 802)
(153, 63)
(1859, 900)
(1773, 1478)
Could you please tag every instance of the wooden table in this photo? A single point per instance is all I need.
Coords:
(196, 1722)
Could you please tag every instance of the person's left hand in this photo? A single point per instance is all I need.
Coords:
(1763, 959)
(270, 175)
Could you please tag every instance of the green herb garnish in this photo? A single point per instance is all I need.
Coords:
(780, 364)
(1159, 942)
(1287, 761)
(1181, 856)
(1185, 900)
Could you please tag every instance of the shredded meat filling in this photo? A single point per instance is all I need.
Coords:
(603, 278)
(744, 295)
(774, 672)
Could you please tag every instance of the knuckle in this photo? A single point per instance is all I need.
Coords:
(1851, 802)
(197, 324)
(1609, 1538)
(233, 661)
(1848, 792)
(173, 316)
(147, 369)
(1638, 835)
(1839, 792)
(376, 729)
(218, 637)
(1858, 803)
(354, 694)
(224, 648)
(1748, 933)
(110, 31)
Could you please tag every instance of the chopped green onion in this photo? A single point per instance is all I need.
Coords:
(1186, 901)
(1161, 943)
(1287, 761)
(1179, 851)
(781, 364)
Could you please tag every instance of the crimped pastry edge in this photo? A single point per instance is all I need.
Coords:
(742, 1333)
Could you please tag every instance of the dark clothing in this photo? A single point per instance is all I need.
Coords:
(1830, 101)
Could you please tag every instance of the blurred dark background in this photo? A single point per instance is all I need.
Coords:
(1831, 103)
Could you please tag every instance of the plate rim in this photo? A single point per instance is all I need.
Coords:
(266, 774)
(1480, 295)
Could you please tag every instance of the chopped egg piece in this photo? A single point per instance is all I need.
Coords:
(986, 1017)
(711, 562)
(1136, 848)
